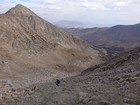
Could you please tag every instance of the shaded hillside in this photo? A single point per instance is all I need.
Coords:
(114, 39)
(28, 42)
(115, 82)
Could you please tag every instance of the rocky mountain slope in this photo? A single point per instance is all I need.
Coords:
(28, 43)
(115, 82)
(115, 39)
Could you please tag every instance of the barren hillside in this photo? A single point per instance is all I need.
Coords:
(27, 41)
(34, 51)
(115, 82)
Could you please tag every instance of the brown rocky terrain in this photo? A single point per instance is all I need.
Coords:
(115, 82)
(28, 43)
(34, 51)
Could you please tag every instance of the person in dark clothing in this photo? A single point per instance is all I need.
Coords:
(57, 82)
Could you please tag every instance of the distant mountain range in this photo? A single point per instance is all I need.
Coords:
(75, 24)
(116, 39)
(69, 24)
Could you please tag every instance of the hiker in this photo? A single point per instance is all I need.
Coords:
(57, 82)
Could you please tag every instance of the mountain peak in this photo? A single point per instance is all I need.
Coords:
(20, 6)
(20, 10)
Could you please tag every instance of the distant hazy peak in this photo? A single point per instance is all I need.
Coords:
(69, 24)
(20, 10)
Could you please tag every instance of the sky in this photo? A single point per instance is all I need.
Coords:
(102, 12)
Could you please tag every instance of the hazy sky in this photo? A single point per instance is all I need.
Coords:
(104, 12)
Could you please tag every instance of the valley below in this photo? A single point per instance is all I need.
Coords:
(116, 39)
